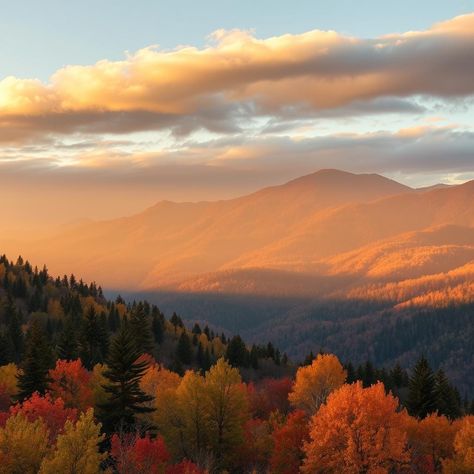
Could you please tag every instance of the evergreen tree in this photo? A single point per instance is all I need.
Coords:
(140, 328)
(7, 352)
(369, 375)
(196, 329)
(176, 321)
(447, 402)
(67, 347)
(421, 390)
(114, 319)
(237, 354)
(90, 340)
(157, 324)
(184, 349)
(103, 335)
(124, 371)
(15, 335)
(253, 356)
(36, 364)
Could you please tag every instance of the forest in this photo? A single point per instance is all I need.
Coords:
(90, 385)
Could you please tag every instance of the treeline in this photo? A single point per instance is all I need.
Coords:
(79, 323)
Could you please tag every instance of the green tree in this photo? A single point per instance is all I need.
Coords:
(184, 349)
(421, 390)
(140, 328)
(237, 354)
(447, 402)
(67, 347)
(157, 324)
(36, 364)
(124, 372)
(90, 340)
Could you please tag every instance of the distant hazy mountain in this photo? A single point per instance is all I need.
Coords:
(173, 241)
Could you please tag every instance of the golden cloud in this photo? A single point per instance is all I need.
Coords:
(238, 76)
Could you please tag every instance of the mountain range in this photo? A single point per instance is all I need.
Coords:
(330, 223)
(324, 259)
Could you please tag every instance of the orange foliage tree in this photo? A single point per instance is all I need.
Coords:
(430, 441)
(357, 430)
(288, 440)
(315, 382)
(463, 460)
(71, 381)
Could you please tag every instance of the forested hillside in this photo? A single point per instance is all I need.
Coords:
(90, 385)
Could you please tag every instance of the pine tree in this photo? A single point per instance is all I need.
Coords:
(421, 390)
(254, 357)
(176, 321)
(140, 328)
(89, 340)
(157, 324)
(36, 364)
(237, 354)
(67, 347)
(114, 319)
(103, 335)
(15, 335)
(446, 400)
(7, 352)
(123, 374)
(184, 349)
(197, 329)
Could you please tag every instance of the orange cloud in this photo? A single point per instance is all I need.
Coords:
(239, 76)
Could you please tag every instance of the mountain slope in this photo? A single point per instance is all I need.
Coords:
(172, 241)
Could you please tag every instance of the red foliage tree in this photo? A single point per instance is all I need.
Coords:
(53, 412)
(288, 441)
(269, 395)
(71, 382)
(184, 467)
(133, 454)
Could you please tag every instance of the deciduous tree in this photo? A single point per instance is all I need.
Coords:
(23, 445)
(77, 449)
(70, 381)
(463, 460)
(315, 382)
(357, 430)
(287, 454)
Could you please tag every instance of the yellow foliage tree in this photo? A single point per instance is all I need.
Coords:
(226, 409)
(97, 381)
(357, 430)
(463, 460)
(191, 406)
(77, 448)
(166, 415)
(9, 378)
(315, 382)
(23, 445)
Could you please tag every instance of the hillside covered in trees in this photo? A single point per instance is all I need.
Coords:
(91, 385)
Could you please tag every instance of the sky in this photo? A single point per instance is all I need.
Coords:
(109, 106)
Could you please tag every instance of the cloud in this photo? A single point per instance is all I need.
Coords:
(227, 163)
(238, 77)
